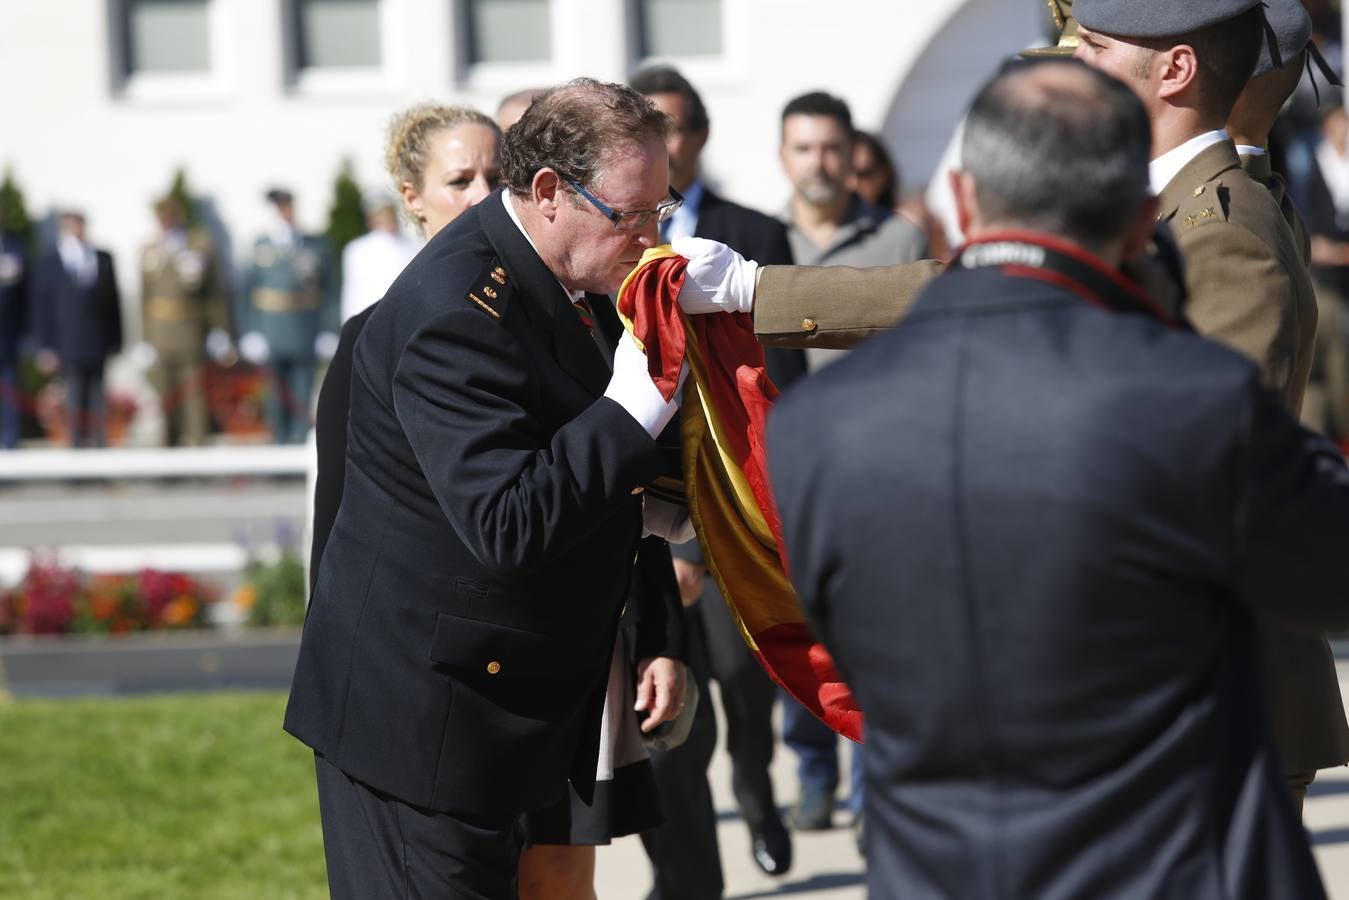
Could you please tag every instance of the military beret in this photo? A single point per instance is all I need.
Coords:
(1292, 27)
(1156, 18)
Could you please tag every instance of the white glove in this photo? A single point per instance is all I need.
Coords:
(217, 344)
(666, 520)
(143, 355)
(717, 278)
(631, 387)
(254, 348)
(325, 345)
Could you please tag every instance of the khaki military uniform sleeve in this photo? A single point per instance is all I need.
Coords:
(1241, 296)
(834, 307)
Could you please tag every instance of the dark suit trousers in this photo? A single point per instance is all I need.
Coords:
(747, 695)
(84, 404)
(685, 859)
(379, 848)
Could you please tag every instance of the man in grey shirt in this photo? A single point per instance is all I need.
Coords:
(827, 223)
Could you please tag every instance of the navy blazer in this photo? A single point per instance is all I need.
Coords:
(13, 296)
(458, 641)
(82, 324)
(1033, 534)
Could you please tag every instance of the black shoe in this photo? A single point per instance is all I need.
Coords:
(814, 811)
(771, 847)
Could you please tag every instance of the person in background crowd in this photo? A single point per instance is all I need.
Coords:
(14, 285)
(875, 178)
(1054, 641)
(829, 224)
(684, 852)
(78, 314)
(1251, 123)
(372, 261)
(185, 319)
(513, 106)
(290, 308)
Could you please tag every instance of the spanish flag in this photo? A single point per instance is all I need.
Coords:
(724, 407)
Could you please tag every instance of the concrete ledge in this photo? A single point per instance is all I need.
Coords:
(173, 462)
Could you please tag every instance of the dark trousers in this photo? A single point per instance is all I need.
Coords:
(685, 859)
(747, 695)
(816, 749)
(84, 404)
(10, 401)
(288, 400)
(378, 847)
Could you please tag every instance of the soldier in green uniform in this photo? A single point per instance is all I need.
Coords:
(289, 317)
(185, 317)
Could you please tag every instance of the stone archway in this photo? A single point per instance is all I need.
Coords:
(977, 37)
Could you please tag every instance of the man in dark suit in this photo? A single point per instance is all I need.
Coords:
(452, 671)
(684, 852)
(1034, 524)
(14, 285)
(78, 314)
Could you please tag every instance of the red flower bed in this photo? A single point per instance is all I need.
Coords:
(56, 600)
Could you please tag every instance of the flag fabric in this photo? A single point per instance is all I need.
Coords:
(724, 408)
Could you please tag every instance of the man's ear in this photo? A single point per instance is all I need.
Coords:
(1181, 72)
(545, 192)
(967, 202)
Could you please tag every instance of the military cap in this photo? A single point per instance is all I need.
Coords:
(277, 196)
(1291, 26)
(1061, 12)
(1156, 18)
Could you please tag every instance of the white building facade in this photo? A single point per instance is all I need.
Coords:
(102, 100)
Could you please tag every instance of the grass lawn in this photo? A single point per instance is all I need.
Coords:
(183, 796)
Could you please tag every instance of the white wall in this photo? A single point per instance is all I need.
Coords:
(71, 138)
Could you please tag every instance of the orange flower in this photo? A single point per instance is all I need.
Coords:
(245, 596)
(180, 610)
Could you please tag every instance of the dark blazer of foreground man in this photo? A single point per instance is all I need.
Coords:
(1033, 524)
(454, 660)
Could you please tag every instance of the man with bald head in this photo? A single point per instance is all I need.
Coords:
(1033, 523)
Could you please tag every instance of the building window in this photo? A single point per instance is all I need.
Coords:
(165, 37)
(508, 31)
(679, 28)
(336, 34)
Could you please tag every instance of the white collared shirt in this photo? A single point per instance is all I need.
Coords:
(1167, 166)
(1250, 150)
(78, 259)
(685, 220)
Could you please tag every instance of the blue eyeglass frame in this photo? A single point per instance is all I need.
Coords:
(662, 212)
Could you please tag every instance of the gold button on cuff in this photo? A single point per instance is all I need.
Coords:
(809, 325)
(493, 667)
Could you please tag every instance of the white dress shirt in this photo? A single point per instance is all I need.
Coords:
(1167, 166)
(370, 264)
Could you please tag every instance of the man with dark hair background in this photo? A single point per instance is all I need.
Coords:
(684, 852)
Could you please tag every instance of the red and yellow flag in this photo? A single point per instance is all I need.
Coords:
(725, 406)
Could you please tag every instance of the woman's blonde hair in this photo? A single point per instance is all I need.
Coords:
(410, 134)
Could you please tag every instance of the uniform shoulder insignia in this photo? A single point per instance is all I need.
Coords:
(491, 292)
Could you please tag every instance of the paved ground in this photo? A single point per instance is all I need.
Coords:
(827, 866)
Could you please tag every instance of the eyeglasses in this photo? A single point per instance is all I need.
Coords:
(634, 219)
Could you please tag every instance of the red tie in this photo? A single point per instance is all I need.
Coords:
(587, 315)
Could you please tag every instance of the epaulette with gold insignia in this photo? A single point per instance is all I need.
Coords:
(492, 290)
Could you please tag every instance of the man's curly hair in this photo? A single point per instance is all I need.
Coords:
(572, 128)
